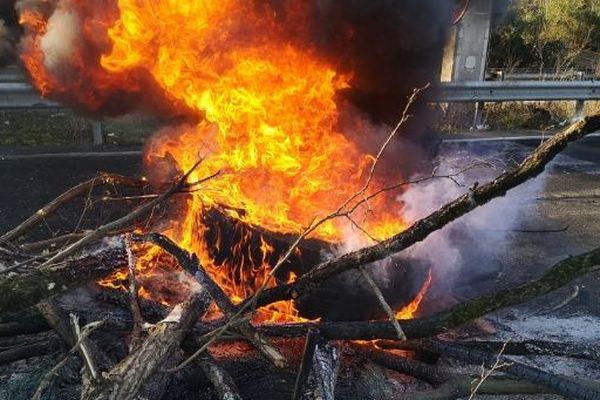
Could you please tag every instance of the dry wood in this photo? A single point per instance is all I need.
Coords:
(531, 167)
(49, 376)
(102, 179)
(125, 380)
(63, 325)
(21, 290)
(190, 263)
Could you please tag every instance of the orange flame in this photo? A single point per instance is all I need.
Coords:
(410, 311)
(269, 121)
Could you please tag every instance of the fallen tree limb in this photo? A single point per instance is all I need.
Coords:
(103, 179)
(125, 380)
(58, 241)
(449, 385)
(63, 325)
(24, 289)
(462, 386)
(559, 275)
(521, 348)
(531, 167)
(47, 379)
(561, 385)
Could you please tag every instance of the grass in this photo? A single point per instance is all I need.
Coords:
(510, 116)
(63, 127)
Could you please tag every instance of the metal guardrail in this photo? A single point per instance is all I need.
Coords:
(492, 91)
(15, 95)
(21, 95)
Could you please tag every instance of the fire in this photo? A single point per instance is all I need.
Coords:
(410, 311)
(269, 121)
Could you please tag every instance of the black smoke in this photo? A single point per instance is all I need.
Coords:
(9, 32)
(392, 47)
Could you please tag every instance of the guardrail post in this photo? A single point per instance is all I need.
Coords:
(97, 132)
(579, 108)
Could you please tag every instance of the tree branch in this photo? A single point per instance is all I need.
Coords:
(531, 167)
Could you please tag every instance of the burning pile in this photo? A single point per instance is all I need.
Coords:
(267, 107)
(275, 174)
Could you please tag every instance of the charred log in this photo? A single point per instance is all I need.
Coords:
(34, 349)
(318, 370)
(219, 377)
(558, 276)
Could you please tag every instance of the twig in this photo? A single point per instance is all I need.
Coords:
(531, 167)
(498, 364)
(384, 304)
(47, 379)
(136, 312)
(119, 223)
(42, 213)
(87, 358)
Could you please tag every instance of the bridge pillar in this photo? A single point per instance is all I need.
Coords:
(472, 40)
(466, 54)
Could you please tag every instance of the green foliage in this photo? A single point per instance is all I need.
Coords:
(546, 33)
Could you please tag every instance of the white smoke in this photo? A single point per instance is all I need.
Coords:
(484, 231)
(471, 243)
(64, 28)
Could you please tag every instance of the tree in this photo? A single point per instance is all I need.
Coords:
(546, 34)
